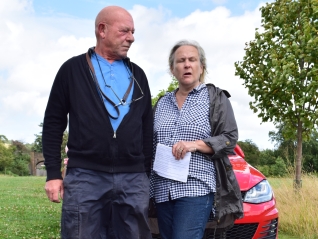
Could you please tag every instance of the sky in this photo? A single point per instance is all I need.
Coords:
(38, 36)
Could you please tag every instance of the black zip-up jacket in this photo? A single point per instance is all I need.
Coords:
(91, 141)
(227, 199)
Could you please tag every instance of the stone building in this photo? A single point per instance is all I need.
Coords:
(37, 164)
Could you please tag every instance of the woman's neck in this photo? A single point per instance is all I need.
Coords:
(182, 93)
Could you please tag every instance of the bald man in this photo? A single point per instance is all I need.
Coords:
(107, 102)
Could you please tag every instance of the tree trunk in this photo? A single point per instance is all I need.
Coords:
(299, 152)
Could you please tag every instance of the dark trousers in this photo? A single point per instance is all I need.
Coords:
(99, 205)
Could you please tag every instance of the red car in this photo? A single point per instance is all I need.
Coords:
(260, 219)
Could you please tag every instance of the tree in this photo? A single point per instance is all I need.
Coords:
(285, 148)
(172, 86)
(37, 145)
(280, 69)
(3, 138)
(279, 168)
(21, 160)
(19, 147)
(267, 157)
(6, 157)
(310, 157)
(64, 143)
(251, 151)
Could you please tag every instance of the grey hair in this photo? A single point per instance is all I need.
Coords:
(200, 51)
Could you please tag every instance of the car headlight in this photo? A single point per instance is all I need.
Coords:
(260, 193)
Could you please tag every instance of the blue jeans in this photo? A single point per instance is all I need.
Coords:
(184, 218)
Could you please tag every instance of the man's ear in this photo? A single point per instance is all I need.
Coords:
(102, 28)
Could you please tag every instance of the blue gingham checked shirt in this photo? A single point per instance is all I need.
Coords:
(172, 125)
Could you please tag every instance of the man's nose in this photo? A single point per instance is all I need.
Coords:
(130, 37)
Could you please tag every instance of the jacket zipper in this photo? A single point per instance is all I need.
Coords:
(114, 136)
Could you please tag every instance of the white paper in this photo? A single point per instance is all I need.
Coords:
(167, 166)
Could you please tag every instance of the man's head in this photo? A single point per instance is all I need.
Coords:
(114, 29)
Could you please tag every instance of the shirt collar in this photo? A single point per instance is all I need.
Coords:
(198, 88)
(194, 90)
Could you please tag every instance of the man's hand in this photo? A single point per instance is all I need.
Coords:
(54, 188)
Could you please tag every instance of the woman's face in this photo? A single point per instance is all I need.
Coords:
(186, 66)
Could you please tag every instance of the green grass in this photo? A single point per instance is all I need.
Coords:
(297, 210)
(282, 236)
(25, 211)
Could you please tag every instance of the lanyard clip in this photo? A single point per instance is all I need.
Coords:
(123, 102)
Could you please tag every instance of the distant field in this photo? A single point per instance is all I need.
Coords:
(298, 214)
(26, 213)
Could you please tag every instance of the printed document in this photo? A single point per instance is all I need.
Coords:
(167, 166)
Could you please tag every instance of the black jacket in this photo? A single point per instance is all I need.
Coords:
(228, 200)
(91, 140)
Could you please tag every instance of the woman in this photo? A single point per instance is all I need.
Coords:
(195, 118)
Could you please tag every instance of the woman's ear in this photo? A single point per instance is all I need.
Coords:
(171, 72)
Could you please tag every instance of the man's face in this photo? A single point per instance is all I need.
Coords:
(119, 37)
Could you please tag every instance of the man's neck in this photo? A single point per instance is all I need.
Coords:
(105, 54)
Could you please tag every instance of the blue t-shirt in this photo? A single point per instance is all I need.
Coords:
(116, 75)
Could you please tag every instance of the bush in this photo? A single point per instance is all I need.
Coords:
(20, 167)
(278, 169)
(264, 170)
(6, 157)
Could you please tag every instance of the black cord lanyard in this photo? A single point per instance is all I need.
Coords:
(121, 101)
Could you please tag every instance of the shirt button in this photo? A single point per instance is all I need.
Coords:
(227, 143)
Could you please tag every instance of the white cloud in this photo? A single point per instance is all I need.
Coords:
(33, 49)
(223, 38)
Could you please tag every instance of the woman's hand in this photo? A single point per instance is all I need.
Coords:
(180, 148)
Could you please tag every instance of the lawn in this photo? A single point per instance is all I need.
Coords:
(26, 213)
